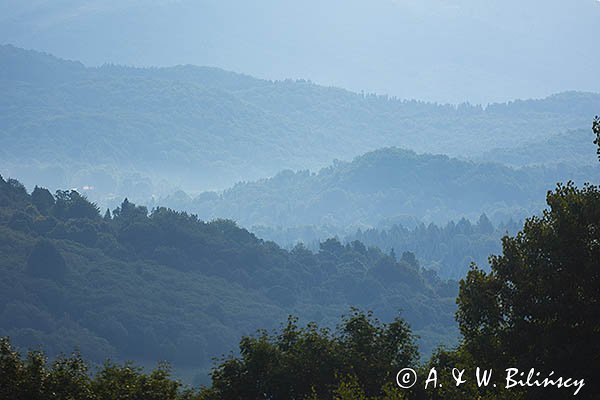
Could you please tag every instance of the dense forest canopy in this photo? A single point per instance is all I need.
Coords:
(448, 249)
(117, 131)
(386, 184)
(141, 285)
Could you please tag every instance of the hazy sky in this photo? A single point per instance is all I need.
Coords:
(448, 51)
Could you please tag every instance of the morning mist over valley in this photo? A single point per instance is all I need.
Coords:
(320, 200)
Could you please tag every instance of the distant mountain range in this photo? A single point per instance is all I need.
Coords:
(117, 131)
(438, 50)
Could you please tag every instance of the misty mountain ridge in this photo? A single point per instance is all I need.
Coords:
(382, 185)
(299, 200)
(155, 130)
(449, 51)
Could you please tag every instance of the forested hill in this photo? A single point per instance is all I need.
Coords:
(387, 184)
(166, 285)
(448, 249)
(128, 131)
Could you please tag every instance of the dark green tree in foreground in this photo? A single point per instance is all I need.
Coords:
(68, 378)
(540, 304)
(360, 359)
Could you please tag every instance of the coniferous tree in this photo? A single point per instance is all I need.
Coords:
(42, 199)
